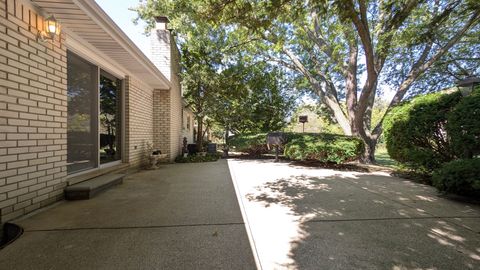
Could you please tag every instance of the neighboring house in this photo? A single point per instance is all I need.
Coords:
(86, 103)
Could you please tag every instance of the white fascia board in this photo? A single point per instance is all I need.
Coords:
(104, 21)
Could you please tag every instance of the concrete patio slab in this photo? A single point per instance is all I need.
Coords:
(182, 216)
(385, 244)
(470, 223)
(313, 218)
(418, 196)
(189, 247)
(339, 200)
(195, 193)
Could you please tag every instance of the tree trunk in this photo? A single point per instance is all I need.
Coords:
(368, 156)
(200, 134)
(226, 148)
(226, 135)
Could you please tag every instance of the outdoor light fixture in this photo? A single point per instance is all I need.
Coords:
(51, 28)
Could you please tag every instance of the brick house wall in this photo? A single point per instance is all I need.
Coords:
(33, 113)
(139, 124)
(161, 121)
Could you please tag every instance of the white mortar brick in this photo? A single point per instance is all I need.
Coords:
(26, 67)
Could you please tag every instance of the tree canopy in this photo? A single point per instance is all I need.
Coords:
(347, 52)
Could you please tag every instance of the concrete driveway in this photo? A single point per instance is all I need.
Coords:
(182, 216)
(309, 218)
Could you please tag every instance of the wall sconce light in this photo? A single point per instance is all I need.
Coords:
(51, 29)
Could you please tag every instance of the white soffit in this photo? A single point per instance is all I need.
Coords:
(86, 20)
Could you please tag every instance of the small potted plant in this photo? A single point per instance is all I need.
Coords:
(154, 155)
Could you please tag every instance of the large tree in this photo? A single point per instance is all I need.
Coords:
(222, 82)
(349, 51)
(253, 97)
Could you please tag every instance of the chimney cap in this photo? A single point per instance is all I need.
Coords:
(162, 19)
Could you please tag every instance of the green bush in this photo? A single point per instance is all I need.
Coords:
(253, 144)
(415, 131)
(323, 147)
(197, 158)
(463, 126)
(460, 176)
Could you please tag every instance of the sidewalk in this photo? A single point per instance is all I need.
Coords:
(182, 216)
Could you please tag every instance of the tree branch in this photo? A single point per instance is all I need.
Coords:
(421, 66)
(324, 94)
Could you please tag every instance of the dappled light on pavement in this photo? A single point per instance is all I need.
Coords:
(313, 218)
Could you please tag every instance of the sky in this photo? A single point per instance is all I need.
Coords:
(118, 11)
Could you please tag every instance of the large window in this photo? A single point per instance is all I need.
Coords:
(82, 112)
(110, 118)
(94, 115)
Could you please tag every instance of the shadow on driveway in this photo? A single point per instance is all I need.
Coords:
(325, 219)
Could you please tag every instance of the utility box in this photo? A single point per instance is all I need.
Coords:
(212, 148)
(275, 138)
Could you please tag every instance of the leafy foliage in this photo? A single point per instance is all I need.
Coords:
(459, 176)
(416, 133)
(323, 147)
(463, 126)
(253, 144)
(319, 120)
(328, 46)
(252, 98)
(222, 82)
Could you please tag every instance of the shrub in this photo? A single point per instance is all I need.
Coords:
(415, 131)
(197, 158)
(253, 144)
(463, 126)
(323, 147)
(460, 176)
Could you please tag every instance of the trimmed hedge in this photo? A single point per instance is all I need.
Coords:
(416, 134)
(304, 146)
(463, 126)
(323, 147)
(253, 144)
(460, 176)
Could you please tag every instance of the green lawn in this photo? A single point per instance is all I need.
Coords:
(382, 157)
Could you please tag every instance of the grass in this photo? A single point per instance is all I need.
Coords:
(382, 157)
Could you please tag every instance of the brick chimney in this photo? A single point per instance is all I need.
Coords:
(161, 44)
